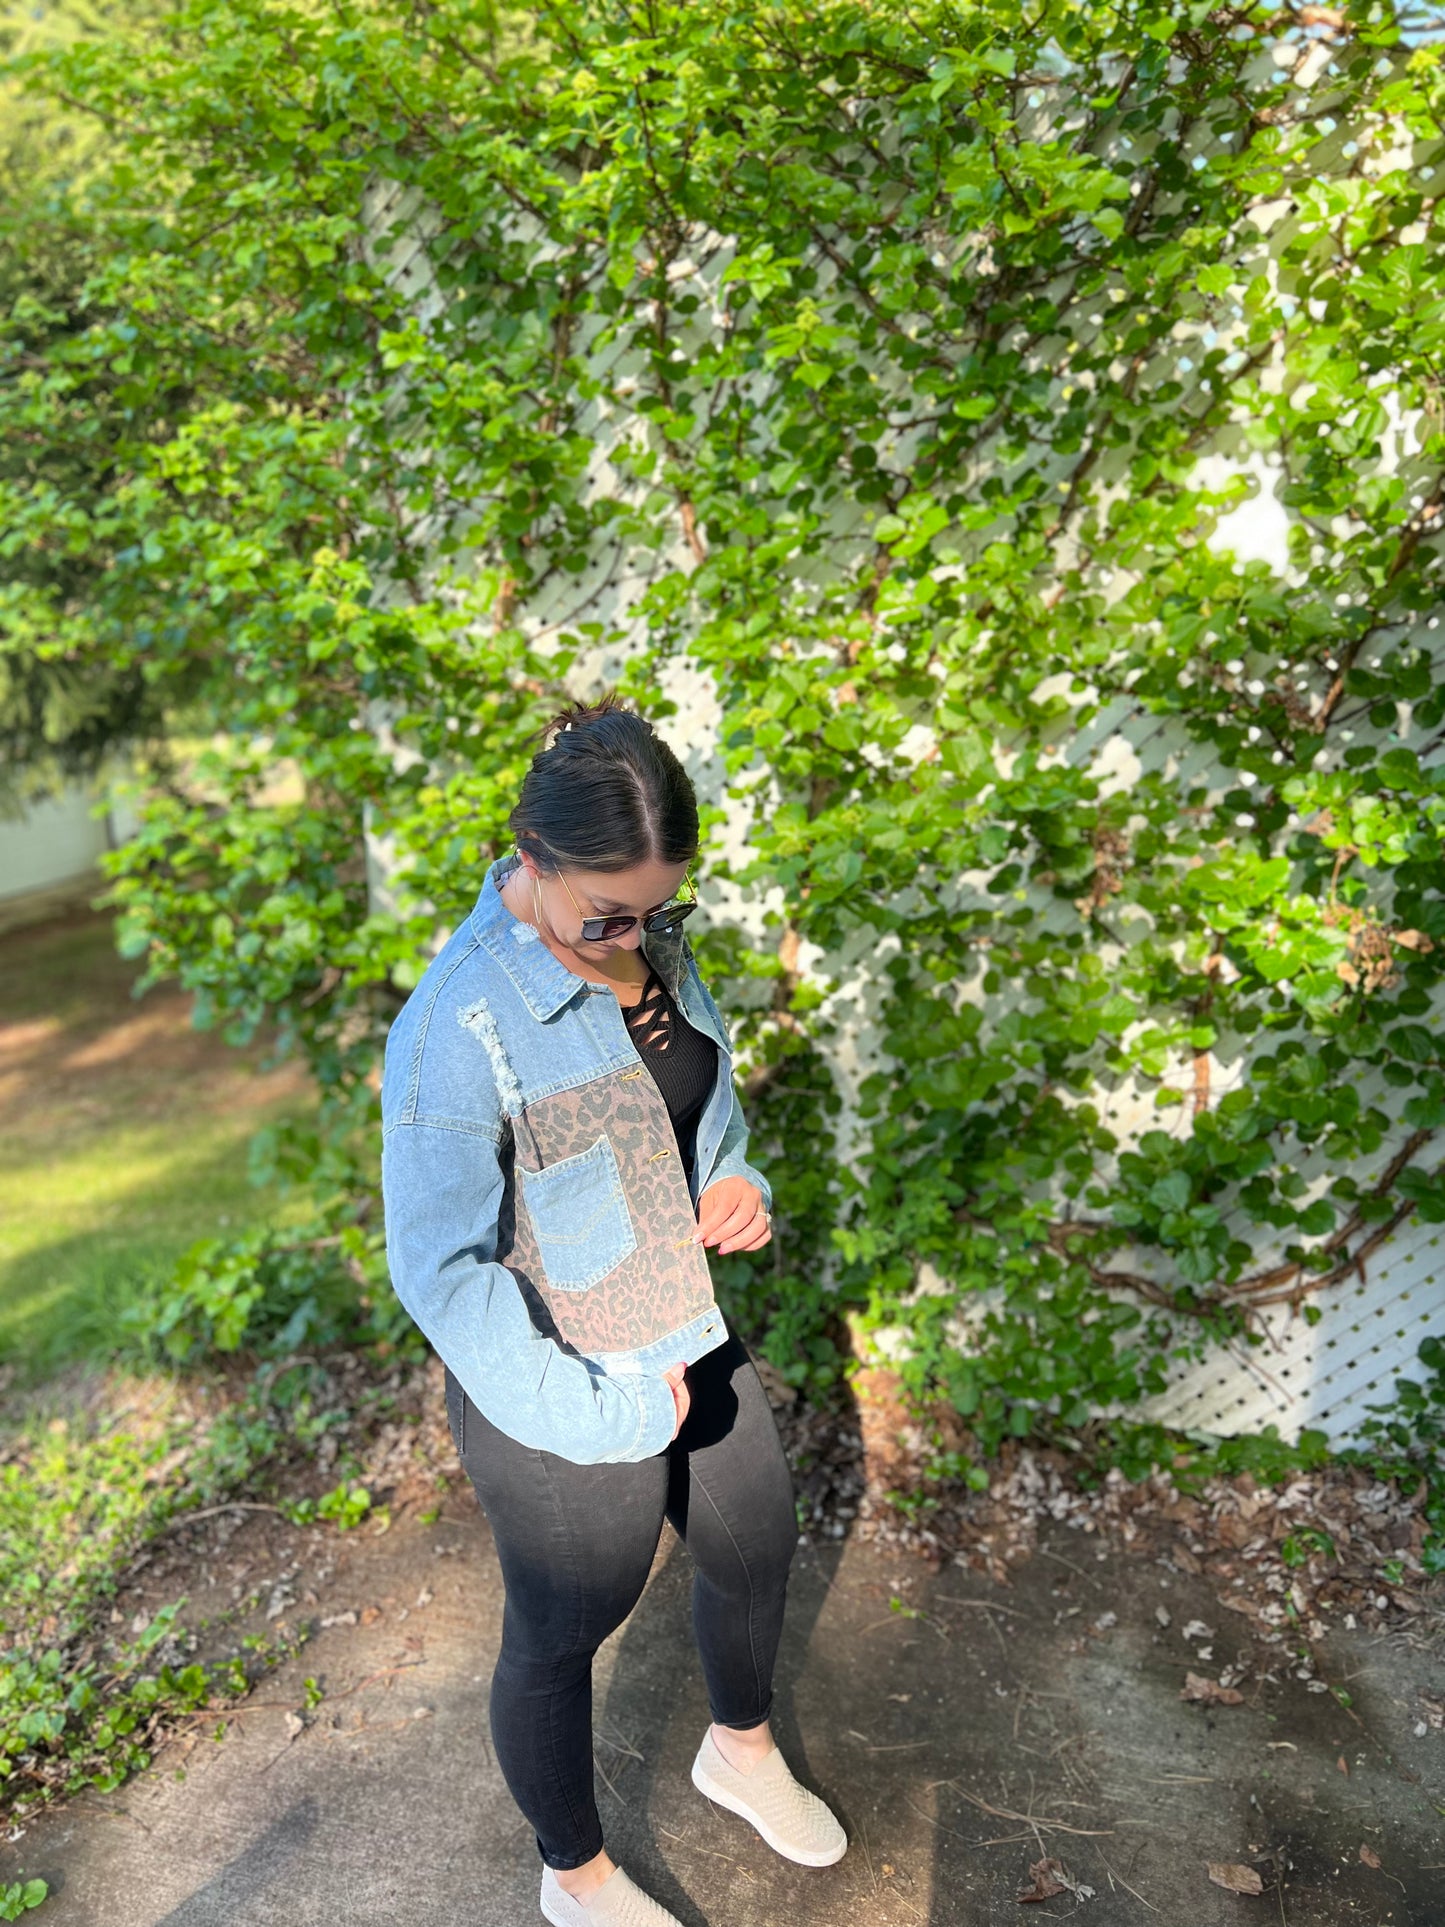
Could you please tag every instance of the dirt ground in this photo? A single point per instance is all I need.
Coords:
(76, 1048)
(997, 1751)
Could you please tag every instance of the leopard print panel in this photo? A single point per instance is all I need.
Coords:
(665, 1282)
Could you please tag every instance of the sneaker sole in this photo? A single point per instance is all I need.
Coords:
(824, 1857)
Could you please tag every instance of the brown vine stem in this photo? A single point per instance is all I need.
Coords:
(211, 1511)
(1058, 1236)
(1282, 1284)
(692, 532)
(1269, 1287)
(1303, 1288)
(1202, 1006)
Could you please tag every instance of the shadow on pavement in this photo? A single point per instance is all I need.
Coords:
(269, 1855)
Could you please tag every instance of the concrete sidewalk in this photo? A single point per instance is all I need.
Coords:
(961, 1731)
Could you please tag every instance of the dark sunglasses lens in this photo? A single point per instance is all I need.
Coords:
(604, 929)
(669, 918)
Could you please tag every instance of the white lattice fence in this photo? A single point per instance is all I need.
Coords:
(1324, 1375)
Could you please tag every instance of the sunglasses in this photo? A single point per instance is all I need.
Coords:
(604, 929)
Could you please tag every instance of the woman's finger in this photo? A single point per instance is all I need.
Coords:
(736, 1220)
(714, 1224)
(726, 1207)
(753, 1236)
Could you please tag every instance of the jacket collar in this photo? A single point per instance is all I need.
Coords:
(545, 982)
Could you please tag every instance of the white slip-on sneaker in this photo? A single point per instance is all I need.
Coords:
(794, 1822)
(618, 1902)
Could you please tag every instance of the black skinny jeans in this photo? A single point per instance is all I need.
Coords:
(576, 1543)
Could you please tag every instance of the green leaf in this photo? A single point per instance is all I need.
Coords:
(1414, 1043)
(1171, 1191)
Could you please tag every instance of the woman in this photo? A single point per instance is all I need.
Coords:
(561, 1138)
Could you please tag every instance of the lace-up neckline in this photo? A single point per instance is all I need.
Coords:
(650, 1018)
(683, 1061)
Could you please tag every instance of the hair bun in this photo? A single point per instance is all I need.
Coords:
(576, 715)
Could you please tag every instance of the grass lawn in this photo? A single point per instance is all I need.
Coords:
(123, 1138)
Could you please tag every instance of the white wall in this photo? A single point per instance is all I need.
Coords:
(54, 843)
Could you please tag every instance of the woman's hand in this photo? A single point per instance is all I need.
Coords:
(731, 1215)
(681, 1396)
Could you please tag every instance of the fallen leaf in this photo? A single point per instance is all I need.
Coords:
(282, 1595)
(1342, 1766)
(1237, 1879)
(294, 1725)
(1196, 1687)
(1046, 1884)
(1369, 1856)
(369, 1614)
(1196, 1629)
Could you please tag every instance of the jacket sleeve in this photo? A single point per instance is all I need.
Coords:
(731, 1159)
(442, 1189)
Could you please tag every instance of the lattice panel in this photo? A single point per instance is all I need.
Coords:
(1326, 1375)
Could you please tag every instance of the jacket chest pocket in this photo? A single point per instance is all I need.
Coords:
(579, 1217)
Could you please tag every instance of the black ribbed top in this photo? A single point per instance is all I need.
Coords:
(683, 1062)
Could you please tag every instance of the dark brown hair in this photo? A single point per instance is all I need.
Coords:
(606, 794)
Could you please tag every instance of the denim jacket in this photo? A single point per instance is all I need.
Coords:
(538, 1217)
